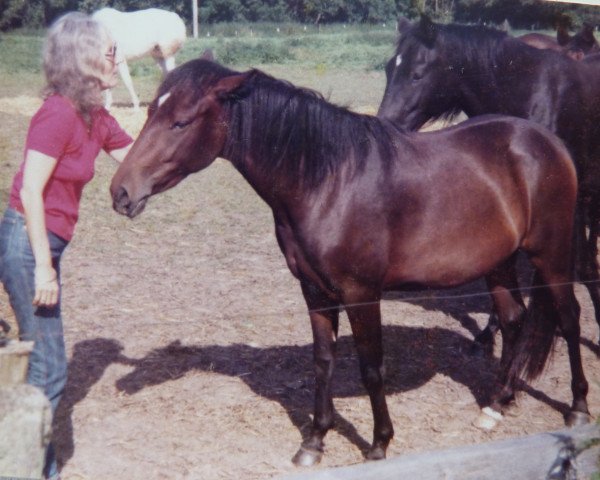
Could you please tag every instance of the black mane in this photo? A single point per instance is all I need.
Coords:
(479, 48)
(475, 44)
(296, 134)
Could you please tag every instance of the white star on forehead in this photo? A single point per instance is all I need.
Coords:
(398, 60)
(163, 98)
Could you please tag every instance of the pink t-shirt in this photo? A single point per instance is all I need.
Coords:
(57, 130)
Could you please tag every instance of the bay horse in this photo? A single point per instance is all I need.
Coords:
(576, 46)
(151, 32)
(361, 207)
(440, 70)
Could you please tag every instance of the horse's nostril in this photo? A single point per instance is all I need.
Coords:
(121, 200)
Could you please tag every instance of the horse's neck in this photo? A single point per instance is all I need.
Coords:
(486, 85)
(591, 73)
(278, 194)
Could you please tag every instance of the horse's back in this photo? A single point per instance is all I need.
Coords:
(521, 145)
(479, 191)
(151, 31)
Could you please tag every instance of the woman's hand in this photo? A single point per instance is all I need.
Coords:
(46, 287)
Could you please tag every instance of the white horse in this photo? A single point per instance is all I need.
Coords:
(155, 32)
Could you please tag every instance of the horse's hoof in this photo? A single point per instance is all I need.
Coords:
(488, 419)
(307, 457)
(575, 419)
(375, 453)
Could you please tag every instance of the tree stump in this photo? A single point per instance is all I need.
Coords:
(25, 416)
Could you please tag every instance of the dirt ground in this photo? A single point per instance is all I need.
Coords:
(190, 347)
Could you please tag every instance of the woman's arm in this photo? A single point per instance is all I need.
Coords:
(38, 169)
(119, 154)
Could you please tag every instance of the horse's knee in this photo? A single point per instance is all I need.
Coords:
(324, 366)
(372, 376)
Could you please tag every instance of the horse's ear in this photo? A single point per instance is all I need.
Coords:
(427, 31)
(563, 23)
(402, 25)
(562, 35)
(228, 86)
(208, 55)
(587, 33)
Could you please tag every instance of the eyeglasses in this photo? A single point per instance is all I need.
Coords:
(112, 53)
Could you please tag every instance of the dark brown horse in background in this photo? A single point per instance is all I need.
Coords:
(576, 46)
(440, 70)
(360, 208)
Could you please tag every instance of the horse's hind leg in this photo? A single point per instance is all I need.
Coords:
(484, 342)
(509, 309)
(559, 300)
(165, 64)
(587, 249)
(324, 316)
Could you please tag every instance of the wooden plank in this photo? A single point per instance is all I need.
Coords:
(596, 3)
(541, 456)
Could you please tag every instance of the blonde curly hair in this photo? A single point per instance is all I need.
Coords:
(74, 60)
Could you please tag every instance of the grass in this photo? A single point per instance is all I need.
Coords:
(340, 46)
(355, 47)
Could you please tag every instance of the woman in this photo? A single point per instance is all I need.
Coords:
(65, 136)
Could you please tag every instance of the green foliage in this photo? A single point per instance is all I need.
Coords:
(242, 46)
(22, 13)
(236, 52)
(40, 13)
(519, 13)
(21, 53)
(531, 14)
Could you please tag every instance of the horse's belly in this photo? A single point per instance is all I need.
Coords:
(449, 263)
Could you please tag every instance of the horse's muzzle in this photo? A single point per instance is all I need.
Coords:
(122, 203)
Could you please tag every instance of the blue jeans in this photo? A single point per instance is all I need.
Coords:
(43, 325)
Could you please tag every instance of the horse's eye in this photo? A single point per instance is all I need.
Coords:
(415, 77)
(178, 125)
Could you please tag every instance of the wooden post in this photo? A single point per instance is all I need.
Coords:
(571, 453)
(25, 416)
(195, 18)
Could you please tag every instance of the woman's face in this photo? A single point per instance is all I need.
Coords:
(109, 73)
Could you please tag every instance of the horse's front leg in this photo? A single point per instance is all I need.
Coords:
(324, 315)
(592, 275)
(365, 319)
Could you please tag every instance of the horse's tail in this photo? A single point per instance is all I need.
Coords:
(536, 339)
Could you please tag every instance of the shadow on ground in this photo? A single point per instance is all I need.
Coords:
(285, 373)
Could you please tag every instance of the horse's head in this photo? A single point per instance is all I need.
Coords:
(581, 44)
(185, 131)
(418, 78)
